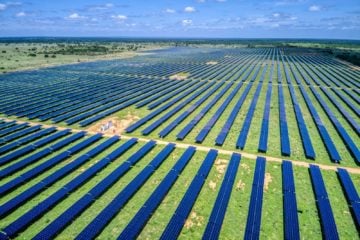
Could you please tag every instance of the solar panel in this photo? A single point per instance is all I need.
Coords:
(217, 215)
(252, 230)
(328, 226)
(139, 220)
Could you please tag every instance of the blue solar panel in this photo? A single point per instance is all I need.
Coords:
(96, 191)
(170, 113)
(252, 230)
(175, 225)
(21, 152)
(213, 227)
(96, 226)
(355, 108)
(284, 135)
(13, 129)
(60, 222)
(187, 112)
(291, 221)
(351, 195)
(182, 134)
(137, 223)
(265, 122)
(206, 129)
(19, 134)
(349, 143)
(328, 226)
(305, 138)
(247, 122)
(48, 180)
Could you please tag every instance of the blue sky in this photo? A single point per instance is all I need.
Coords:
(188, 18)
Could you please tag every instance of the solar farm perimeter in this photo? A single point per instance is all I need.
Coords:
(219, 143)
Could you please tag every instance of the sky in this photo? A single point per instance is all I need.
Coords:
(327, 19)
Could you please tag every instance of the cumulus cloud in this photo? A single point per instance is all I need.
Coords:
(314, 8)
(75, 16)
(169, 10)
(2, 6)
(186, 22)
(119, 17)
(276, 15)
(21, 14)
(189, 9)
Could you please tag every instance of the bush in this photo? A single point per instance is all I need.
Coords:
(46, 55)
(53, 56)
(32, 55)
(3, 51)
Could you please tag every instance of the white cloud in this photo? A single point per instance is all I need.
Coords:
(276, 15)
(200, 1)
(21, 14)
(221, 0)
(2, 6)
(186, 22)
(109, 5)
(189, 9)
(119, 17)
(169, 10)
(314, 8)
(75, 16)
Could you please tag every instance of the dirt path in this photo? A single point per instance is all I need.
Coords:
(204, 148)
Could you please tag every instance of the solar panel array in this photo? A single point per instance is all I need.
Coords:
(230, 98)
(62, 145)
(221, 84)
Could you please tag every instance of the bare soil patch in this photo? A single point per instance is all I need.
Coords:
(220, 165)
(113, 125)
(211, 63)
(267, 181)
(180, 76)
(240, 185)
(193, 220)
(212, 185)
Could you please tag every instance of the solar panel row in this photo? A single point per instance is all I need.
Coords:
(220, 139)
(9, 206)
(217, 215)
(188, 111)
(252, 230)
(173, 111)
(153, 114)
(291, 220)
(17, 143)
(186, 130)
(351, 195)
(328, 225)
(329, 144)
(115, 206)
(142, 216)
(264, 132)
(60, 222)
(32, 147)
